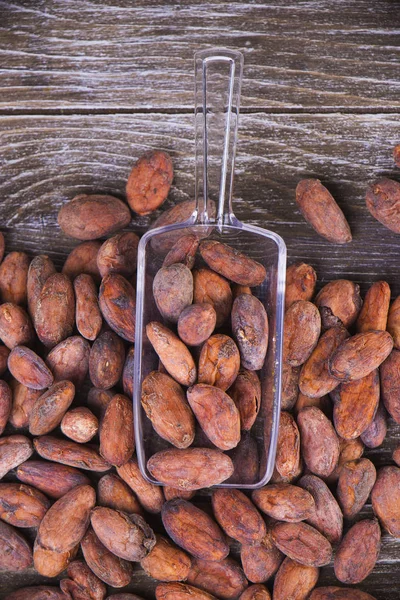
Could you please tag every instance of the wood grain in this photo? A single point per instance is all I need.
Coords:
(47, 160)
(122, 55)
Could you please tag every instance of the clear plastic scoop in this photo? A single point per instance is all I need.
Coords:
(218, 74)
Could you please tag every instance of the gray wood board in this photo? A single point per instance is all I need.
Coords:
(47, 160)
(139, 55)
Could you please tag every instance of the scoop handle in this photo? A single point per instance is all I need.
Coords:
(218, 79)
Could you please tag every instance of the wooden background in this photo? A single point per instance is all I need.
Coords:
(85, 87)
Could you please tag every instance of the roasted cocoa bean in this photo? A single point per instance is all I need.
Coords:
(339, 303)
(117, 300)
(55, 311)
(217, 415)
(231, 263)
(357, 356)
(326, 515)
(356, 480)
(87, 312)
(225, 578)
(16, 328)
(82, 260)
(383, 202)
(196, 323)
(284, 502)
(351, 564)
(117, 441)
(70, 453)
(29, 369)
(22, 505)
(166, 562)
(319, 442)
(211, 288)
(13, 278)
(165, 404)
(294, 580)
(173, 353)
(118, 254)
(14, 450)
(149, 182)
(150, 496)
(109, 568)
(50, 408)
(51, 478)
(300, 283)
(173, 290)
(106, 360)
(302, 328)
(79, 424)
(302, 543)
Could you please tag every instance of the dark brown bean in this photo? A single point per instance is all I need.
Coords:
(5, 404)
(70, 360)
(16, 328)
(70, 453)
(246, 394)
(149, 182)
(319, 442)
(173, 353)
(83, 260)
(211, 288)
(118, 254)
(238, 516)
(13, 278)
(300, 283)
(50, 408)
(14, 450)
(51, 478)
(118, 305)
(39, 271)
(79, 424)
(106, 360)
(260, 562)
(109, 568)
(302, 543)
(219, 362)
(117, 442)
(23, 400)
(250, 330)
(173, 290)
(87, 312)
(232, 263)
(196, 323)
(55, 311)
(339, 303)
(358, 552)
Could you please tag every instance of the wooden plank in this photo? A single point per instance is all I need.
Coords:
(122, 55)
(47, 160)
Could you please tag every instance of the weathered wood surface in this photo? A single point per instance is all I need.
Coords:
(119, 54)
(322, 88)
(47, 160)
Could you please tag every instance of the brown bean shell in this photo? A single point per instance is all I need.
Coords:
(357, 405)
(196, 323)
(219, 362)
(149, 182)
(165, 404)
(385, 499)
(117, 442)
(217, 415)
(238, 516)
(287, 459)
(294, 580)
(383, 202)
(83, 584)
(70, 453)
(183, 251)
(173, 353)
(339, 303)
(150, 496)
(246, 394)
(70, 360)
(23, 400)
(336, 593)
(357, 356)
(13, 278)
(211, 288)
(302, 543)
(51, 478)
(5, 404)
(320, 209)
(315, 380)
(356, 480)
(256, 592)
(65, 523)
(109, 568)
(39, 271)
(114, 493)
(373, 315)
(319, 442)
(126, 536)
(55, 311)
(106, 360)
(118, 254)
(326, 515)
(225, 578)
(87, 312)
(250, 330)
(166, 562)
(260, 562)
(16, 328)
(302, 327)
(375, 433)
(390, 384)
(83, 260)
(15, 552)
(193, 530)
(358, 552)
(14, 450)
(190, 469)
(29, 369)
(22, 505)
(87, 217)
(173, 290)
(79, 424)
(232, 263)
(50, 408)
(181, 591)
(284, 502)
(300, 283)
(117, 302)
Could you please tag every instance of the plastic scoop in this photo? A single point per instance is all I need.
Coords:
(218, 75)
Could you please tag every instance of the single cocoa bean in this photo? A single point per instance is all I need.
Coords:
(117, 441)
(211, 288)
(173, 353)
(294, 580)
(29, 369)
(196, 323)
(14, 450)
(117, 302)
(118, 254)
(319, 442)
(183, 251)
(357, 356)
(383, 202)
(87, 312)
(150, 496)
(55, 311)
(82, 260)
(70, 453)
(300, 283)
(109, 568)
(79, 424)
(166, 562)
(351, 565)
(339, 303)
(326, 516)
(225, 578)
(302, 543)
(50, 408)
(149, 182)
(52, 479)
(13, 278)
(22, 505)
(284, 502)
(106, 360)
(232, 264)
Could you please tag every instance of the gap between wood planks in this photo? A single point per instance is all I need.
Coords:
(320, 110)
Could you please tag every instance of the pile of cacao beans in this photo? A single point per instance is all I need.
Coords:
(69, 476)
